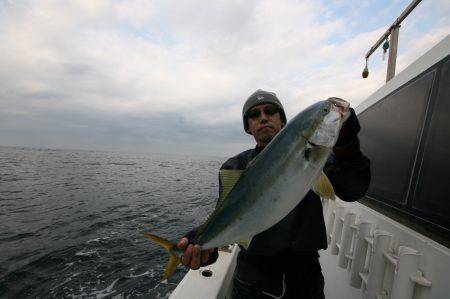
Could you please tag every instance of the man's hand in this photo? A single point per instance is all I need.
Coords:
(349, 131)
(347, 145)
(193, 256)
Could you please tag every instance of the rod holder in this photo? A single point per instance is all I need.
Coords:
(407, 264)
(359, 253)
(375, 277)
(331, 213)
(346, 239)
(337, 230)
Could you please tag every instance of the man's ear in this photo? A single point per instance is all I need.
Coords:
(282, 125)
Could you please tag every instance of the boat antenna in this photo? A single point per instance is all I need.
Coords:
(391, 43)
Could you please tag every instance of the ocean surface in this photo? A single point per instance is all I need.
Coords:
(71, 222)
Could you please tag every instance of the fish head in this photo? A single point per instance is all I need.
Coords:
(323, 120)
(341, 106)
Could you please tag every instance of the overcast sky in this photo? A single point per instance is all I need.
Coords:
(172, 76)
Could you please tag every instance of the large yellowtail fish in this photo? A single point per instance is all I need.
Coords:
(274, 182)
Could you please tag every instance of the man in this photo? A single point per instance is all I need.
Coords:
(283, 261)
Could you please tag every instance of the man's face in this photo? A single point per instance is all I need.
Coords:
(265, 124)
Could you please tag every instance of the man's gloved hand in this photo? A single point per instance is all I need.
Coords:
(349, 131)
(347, 145)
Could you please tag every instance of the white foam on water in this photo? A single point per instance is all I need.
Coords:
(109, 288)
(107, 291)
(98, 294)
(61, 284)
(150, 272)
(85, 252)
(94, 240)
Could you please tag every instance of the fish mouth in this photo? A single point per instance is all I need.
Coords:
(341, 106)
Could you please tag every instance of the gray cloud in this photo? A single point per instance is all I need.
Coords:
(170, 76)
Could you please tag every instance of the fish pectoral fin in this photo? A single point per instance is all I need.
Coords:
(245, 243)
(323, 187)
(174, 259)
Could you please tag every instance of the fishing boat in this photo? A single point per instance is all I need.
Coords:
(395, 242)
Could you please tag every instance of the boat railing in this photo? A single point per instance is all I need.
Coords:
(382, 263)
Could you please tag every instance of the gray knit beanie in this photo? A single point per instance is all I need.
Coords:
(261, 97)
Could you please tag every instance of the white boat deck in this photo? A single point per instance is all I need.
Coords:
(336, 278)
(196, 285)
(428, 278)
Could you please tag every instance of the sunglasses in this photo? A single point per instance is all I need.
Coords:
(268, 110)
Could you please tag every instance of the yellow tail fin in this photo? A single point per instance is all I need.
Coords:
(174, 259)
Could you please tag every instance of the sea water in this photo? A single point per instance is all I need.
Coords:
(71, 222)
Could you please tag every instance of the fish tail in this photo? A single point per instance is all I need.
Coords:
(174, 259)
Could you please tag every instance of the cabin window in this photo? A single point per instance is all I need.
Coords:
(432, 196)
(390, 134)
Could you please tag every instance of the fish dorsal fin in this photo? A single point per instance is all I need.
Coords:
(323, 187)
(228, 178)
